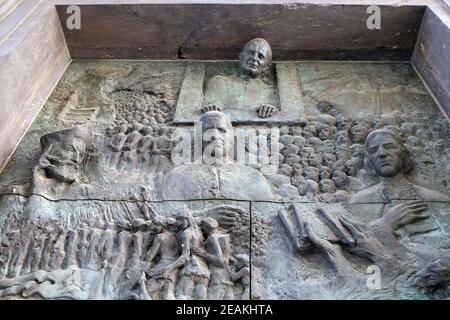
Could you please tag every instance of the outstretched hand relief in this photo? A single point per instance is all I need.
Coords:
(266, 110)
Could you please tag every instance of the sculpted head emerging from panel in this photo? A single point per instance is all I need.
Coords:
(255, 57)
(358, 133)
(64, 152)
(386, 154)
(217, 134)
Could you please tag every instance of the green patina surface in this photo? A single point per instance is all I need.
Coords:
(86, 94)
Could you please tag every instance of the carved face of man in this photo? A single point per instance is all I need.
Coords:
(325, 132)
(182, 223)
(329, 159)
(65, 159)
(340, 179)
(64, 153)
(358, 133)
(343, 123)
(315, 160)
(352, 166)
(327, 186)
(384, 152)
(156, 228)
(217, 139)
(255, 57)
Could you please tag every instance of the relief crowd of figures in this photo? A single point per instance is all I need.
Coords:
(189, 256)
(323, 160)
(137, 146)
(57, 241)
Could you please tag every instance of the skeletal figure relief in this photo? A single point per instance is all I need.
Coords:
(118, 260)
(188, 257)
(136, 249)
(71, 249)
(242, 274)
(17, 284)
(47, 251)
(83, 245)
(20, 249)
(194, 274)
(116, 144)
(71, 283)
(25, 265)
(205, 271)
(58, 252)
(7, 255)
(129, 158)
(108, 254)
(157, 261)
(144, 148)
(92, 254)
(164, 246)
(35, 254)
(217, 255)
(161, 149)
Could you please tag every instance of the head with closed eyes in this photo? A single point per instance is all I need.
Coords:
(217, 135)
(65, 151)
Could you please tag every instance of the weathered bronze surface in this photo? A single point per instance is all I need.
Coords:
(111, 195)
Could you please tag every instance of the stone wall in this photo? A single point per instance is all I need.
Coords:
(432, 56)
(33, 56)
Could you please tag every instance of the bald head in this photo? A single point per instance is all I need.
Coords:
(255, 57)
(212, 119)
